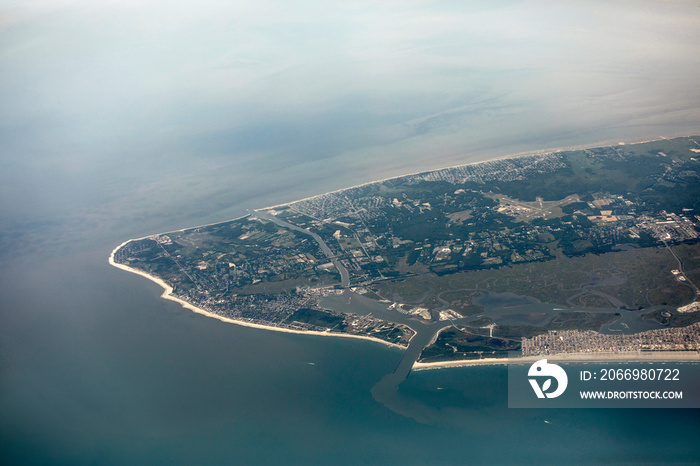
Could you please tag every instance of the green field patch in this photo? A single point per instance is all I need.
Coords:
(316, 318)
(347, 243)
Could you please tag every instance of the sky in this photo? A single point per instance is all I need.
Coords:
(102, 98)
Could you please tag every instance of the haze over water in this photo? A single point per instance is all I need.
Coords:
(123, 119)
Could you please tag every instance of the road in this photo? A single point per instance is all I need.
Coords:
(682, 271)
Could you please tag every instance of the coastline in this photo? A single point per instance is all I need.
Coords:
(168, 290)
(637, 356)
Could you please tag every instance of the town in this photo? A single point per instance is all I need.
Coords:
(577, 341)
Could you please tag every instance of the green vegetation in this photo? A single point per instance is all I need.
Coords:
(455, 343)
(636, 278)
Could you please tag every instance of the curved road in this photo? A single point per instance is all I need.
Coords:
(344, 275)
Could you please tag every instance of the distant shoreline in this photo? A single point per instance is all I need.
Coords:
(168, 294)
(636, 356)
(502, 157)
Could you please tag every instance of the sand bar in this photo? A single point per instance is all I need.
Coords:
(631, 356)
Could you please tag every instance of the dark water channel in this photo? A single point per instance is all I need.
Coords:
(502, 308)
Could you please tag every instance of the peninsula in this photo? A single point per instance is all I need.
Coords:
(570, 251)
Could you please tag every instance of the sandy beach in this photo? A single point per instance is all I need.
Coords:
(168, 290)
(636, 356)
